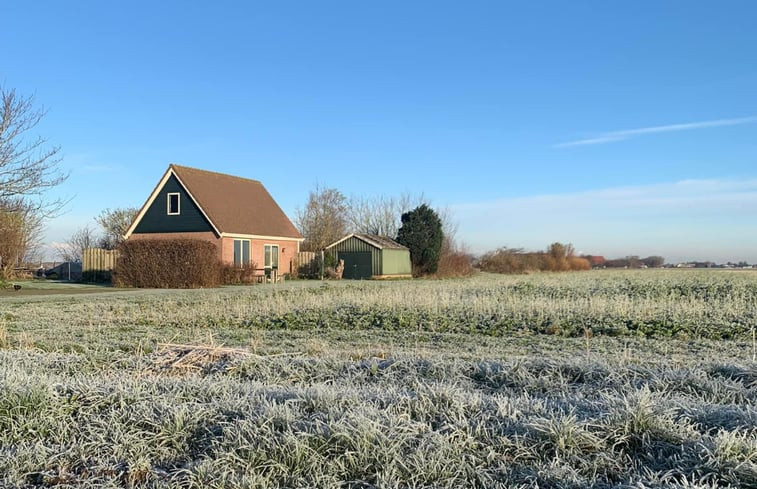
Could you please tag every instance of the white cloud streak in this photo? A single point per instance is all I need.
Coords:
(615, 136)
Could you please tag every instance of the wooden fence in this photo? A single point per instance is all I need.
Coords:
(306, 264)
(98, 263)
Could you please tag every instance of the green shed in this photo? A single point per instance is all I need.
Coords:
(369, 256)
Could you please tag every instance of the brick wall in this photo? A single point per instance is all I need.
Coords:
(287, 252)
(287, 249)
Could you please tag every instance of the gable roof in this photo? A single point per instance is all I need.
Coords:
(380, 242)
(232, 205)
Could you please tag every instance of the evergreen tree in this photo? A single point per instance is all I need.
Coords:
(421, 232)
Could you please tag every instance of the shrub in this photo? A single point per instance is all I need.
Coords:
(577, 263)
(557, 258)
(234, 275)
(169, 263)
(505, 260)
(97, 276)
(454, 263)
(421, 232)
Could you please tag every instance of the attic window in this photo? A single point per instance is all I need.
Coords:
(173, 204)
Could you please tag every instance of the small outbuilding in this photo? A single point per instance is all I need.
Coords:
(368, 256)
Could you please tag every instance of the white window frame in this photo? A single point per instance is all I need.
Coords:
(178, 204)
(241, 252)
(278, 256)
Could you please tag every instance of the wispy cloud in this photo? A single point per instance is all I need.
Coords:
(614, 136)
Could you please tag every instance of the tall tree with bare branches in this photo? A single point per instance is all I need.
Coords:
(80, 240)
(29, 167)
(115, 223)
(324, 219)
(380, 214)
(20, 229)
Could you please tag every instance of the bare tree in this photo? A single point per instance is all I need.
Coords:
(323, 220)
(20, 229)
(380, 214)
(115, 223)
(28, 168)
(73, 248)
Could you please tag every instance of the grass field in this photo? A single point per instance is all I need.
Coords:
(604, 379)
(50, 287)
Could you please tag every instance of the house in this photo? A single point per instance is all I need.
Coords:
(236, 214)
(370, 256)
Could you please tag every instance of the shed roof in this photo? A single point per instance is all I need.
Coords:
(380, 242)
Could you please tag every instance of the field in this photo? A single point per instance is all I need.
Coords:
(602, 378)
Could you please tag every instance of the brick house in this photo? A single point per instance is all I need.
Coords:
(236, 214)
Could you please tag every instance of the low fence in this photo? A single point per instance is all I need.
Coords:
(98, 263)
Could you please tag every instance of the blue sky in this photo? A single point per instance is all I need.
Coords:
(623, 128)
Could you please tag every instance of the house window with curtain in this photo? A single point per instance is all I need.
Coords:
(241, 252)
(272, 256)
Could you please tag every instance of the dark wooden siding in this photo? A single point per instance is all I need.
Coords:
(355, 245)
(157, 220)
(357, 264)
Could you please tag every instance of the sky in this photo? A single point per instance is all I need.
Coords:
(624, 128)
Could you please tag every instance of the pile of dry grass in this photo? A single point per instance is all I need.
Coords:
(182, 359)
(185, 359)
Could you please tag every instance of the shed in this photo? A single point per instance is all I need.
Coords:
(369, 256)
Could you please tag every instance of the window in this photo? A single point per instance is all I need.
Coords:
(272, 256)
(173, 204)
(241, 252)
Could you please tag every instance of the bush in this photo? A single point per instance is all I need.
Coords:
(234, 275)
(169, 263)
(577, 263)
(421, 232)
(97, 276)
(557, 258)
(454, 264)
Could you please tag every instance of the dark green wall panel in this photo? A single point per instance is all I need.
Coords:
(157, 220)
(382, 262)
(357, 265)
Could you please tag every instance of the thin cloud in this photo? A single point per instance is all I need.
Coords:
(615, 136)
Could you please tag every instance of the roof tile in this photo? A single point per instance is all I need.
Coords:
(236, 205)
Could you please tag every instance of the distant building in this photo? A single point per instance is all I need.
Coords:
(68, 270)
(596, 261)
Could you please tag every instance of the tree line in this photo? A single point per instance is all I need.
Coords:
(558, 257)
